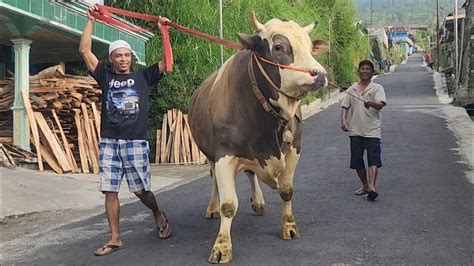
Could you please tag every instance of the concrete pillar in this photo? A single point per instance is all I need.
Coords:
(21, 126)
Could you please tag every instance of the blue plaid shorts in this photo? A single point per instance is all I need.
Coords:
(129, 158)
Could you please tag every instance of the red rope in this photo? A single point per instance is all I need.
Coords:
(105, 14)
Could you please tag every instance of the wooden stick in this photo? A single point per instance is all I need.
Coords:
(86, 144)
(94, 139)
(50, 139)
(96, 118)
(194, 147)
(184, 137)
(69, 154)
(164, 127)
(80, 141)
(33, 127)
(90, 141)
(169, 157)
(158, 146)
(177, 137)
(50, 160)
(187, 148)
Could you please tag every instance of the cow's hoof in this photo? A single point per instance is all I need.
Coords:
(289, 230)
(257, 207)
(213, 214)
(222, 250)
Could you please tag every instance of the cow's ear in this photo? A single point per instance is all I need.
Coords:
(249, 42)
(319, 47)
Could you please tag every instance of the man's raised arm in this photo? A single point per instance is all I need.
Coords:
(85, 47)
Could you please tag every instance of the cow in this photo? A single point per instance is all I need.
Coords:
(246, 117)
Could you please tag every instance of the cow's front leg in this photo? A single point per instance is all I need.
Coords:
(257, 200)
(212, 210)
(289, 230)
(225, 170)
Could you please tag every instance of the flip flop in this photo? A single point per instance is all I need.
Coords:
(360, 192)
(112, 249)
(372, 195)
(161, 229)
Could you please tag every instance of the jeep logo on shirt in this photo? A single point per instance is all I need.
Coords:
(120, 84)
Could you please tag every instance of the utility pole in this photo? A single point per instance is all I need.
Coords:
(221, 30)
(456, 59)
(368, 31)
(437, 34)
(371, 13)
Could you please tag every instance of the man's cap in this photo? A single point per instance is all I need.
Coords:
(119, 44)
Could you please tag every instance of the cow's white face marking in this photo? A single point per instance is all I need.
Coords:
(293, 83)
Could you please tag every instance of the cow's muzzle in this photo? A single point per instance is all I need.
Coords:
(320, 79)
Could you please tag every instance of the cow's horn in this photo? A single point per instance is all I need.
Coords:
(309, 28)
(257, 25)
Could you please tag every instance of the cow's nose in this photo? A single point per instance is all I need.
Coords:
(320, 77)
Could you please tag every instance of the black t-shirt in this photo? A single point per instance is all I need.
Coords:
(124, 101)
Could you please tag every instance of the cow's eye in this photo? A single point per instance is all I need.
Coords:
(278, 47)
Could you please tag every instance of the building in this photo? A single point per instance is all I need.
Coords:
(36, 34)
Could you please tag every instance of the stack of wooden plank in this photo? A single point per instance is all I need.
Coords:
(174, 141)
(64, 116)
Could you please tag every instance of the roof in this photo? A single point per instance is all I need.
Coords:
(55, 29)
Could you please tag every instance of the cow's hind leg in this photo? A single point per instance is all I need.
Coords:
(257, 200)
(225, 175)
(212, 210)
(289, 230)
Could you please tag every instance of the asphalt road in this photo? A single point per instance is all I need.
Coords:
(422, 216)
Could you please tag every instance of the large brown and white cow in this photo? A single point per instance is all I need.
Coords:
(247, 116)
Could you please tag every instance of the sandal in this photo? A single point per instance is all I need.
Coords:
(164, 227)
(360, 192)
(372, 195)
(112, 248)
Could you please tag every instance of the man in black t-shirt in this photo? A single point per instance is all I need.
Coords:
(123, 146)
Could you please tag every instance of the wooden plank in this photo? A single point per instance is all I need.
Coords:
(94, 139)
(50, 139)
(33, 127)
(90, 143)
(49, 159)
(170, 119)
(158, 146)
(183, 142)
(169, 157)
(177, 137)
(186, 144)
(97, 121)
(80, 141)
(86, 144)
(69, 154)
(164, 127)
(194, 147)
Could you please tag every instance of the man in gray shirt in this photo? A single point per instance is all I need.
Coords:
(360, 116)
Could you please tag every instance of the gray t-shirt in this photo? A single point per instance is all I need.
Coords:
(362, 121)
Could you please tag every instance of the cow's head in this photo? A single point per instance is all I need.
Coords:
(287, 43)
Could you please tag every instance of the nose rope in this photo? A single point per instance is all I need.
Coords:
(282, 66)
(269, 80)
